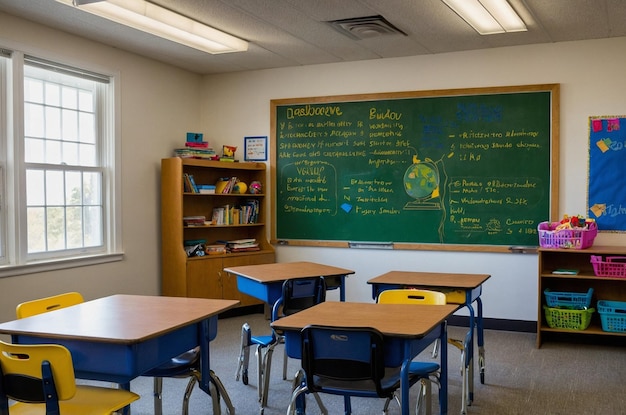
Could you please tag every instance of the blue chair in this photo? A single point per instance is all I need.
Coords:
(346, 361)
(297, 295)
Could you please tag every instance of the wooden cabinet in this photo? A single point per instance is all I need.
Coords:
(605, 288)
(203, 276)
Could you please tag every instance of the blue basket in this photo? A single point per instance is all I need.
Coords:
(612, 315)
(577, 301)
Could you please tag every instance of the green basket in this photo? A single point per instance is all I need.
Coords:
(560, 318)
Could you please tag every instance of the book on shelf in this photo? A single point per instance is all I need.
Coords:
(564, 271)
(229, 186)
(189, 184)
(207, 189)
(194, 220)
(244, 214)
(242, 245)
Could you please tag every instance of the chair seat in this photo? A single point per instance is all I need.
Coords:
(177, 366)
(264, 341)
(423, 368)
(89, 400)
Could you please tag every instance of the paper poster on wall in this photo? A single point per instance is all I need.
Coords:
(606, 198)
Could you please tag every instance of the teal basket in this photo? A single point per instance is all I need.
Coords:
(568, 300)
(612, 316)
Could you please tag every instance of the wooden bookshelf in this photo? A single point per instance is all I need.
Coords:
(604, 288)
(203, 276)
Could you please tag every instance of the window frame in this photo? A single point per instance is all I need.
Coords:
(15, 260)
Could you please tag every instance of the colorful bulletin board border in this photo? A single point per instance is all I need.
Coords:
(606, 198)
(255, 148)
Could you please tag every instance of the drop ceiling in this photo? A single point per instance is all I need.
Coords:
(284, 33)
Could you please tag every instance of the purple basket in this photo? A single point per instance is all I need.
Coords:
(611, 266)
(566, 238)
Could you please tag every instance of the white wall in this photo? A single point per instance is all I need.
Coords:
(159, 105)
(591, 78)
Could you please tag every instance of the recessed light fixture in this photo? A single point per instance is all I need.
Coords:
(156, 20)
(488, 17)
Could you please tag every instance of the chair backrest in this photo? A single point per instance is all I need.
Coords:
(41, 373)
(43, 305)
(346, 361)
(411, 296)
(300, 294)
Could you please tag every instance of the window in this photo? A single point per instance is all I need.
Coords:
(57, 181)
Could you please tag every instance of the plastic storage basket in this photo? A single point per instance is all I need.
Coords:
(612, 315)
(558, 318)
(612, 266)
(568, 299)
(566, 238)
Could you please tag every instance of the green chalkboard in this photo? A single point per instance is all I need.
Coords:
(456, 167)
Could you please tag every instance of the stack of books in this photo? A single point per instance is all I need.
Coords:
(194, 220)
(242, 245)
(196, 149)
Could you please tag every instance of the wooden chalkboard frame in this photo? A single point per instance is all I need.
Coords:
(552, 89)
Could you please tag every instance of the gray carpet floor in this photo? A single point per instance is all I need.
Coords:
(558, 379)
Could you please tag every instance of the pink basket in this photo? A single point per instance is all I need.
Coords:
(613, 266)
(566, 238)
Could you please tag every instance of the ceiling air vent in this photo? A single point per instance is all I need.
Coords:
(365, 27)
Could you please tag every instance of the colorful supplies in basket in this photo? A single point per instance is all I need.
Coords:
(567, 310)
(612, 315)
(612, 266)
(555, 235)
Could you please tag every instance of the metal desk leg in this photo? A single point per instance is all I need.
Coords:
(443, 379)
(470, 357)
(481, 340)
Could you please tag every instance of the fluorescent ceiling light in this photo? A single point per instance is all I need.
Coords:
(153, 19)
(488, 17)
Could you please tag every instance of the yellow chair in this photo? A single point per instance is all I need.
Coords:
(40, 378)
(410, 296)
(43, 305)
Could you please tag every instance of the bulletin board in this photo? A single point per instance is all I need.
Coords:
(466, 169)
(606, 196)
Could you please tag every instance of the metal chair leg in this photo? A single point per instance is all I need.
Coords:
(188, 390)
(158, 396)
(222, 392)
(244, 354)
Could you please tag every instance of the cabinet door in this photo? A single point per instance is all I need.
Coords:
(203, 278)
(229, 280)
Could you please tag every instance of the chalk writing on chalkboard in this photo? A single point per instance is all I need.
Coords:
(464, 168)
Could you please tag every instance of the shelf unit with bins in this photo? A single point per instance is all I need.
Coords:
(204, 276)
(604, 288)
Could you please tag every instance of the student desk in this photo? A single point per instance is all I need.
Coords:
(408, 329)
(265, 281)
(118, 338)
(464, 289)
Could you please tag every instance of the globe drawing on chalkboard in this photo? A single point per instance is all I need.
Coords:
(421, 183)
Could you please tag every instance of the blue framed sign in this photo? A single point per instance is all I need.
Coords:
(255, 148)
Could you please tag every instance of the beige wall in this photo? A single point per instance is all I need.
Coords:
(590, 74)
(159, 105)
